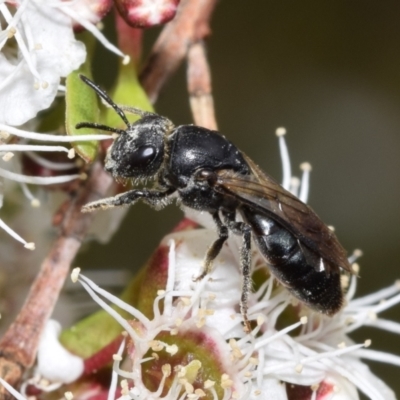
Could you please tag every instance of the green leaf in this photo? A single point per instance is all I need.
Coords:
(81, 103)
(81, 106)
(127, 91)
(91, 334)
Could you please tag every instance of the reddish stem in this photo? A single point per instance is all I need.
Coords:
(129, 39)
(189, 25)
(101, 358)
(199, 87)
(18, 346)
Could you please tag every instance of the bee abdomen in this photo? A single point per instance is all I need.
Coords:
(296, 267)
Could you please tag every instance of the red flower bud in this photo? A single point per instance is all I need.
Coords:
(146, 13)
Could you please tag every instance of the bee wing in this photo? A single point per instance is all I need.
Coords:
(261, 192)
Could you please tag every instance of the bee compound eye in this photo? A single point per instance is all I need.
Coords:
(143, 156)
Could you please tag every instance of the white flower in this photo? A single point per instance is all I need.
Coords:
(194, 343)
(54, 362)
(321, 356)
(38, 47)
(8, 165)
(87, 14)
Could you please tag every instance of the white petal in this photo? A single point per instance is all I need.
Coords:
(54, 53)
(202, 218)
(19, 100)
(278, 354)
(52, 29)
(55, 363)
(342, 389)
(191, 247)
(372, 381)
(271, 389)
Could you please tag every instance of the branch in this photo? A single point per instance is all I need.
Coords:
(199, 87)
(190, 25)
(19, 344)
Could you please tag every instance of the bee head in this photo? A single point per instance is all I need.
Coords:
(138, 151)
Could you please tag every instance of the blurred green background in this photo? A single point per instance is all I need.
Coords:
(329, 71)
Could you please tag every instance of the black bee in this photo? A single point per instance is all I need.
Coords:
(209, 173)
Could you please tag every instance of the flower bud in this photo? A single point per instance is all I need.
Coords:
(147, 13)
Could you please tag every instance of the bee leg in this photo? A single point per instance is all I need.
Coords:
(243, 229)
(151, 197)
(215, 248)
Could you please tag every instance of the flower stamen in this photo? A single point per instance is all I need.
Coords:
(5, 130)
(124, 323)
(284, 152)
(4, 226)
(38, 180)
(305, 181)
(92, 28)
(114, 374)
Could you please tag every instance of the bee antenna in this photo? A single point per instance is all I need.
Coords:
(137, 111)
(99, 126)
(106, 98)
